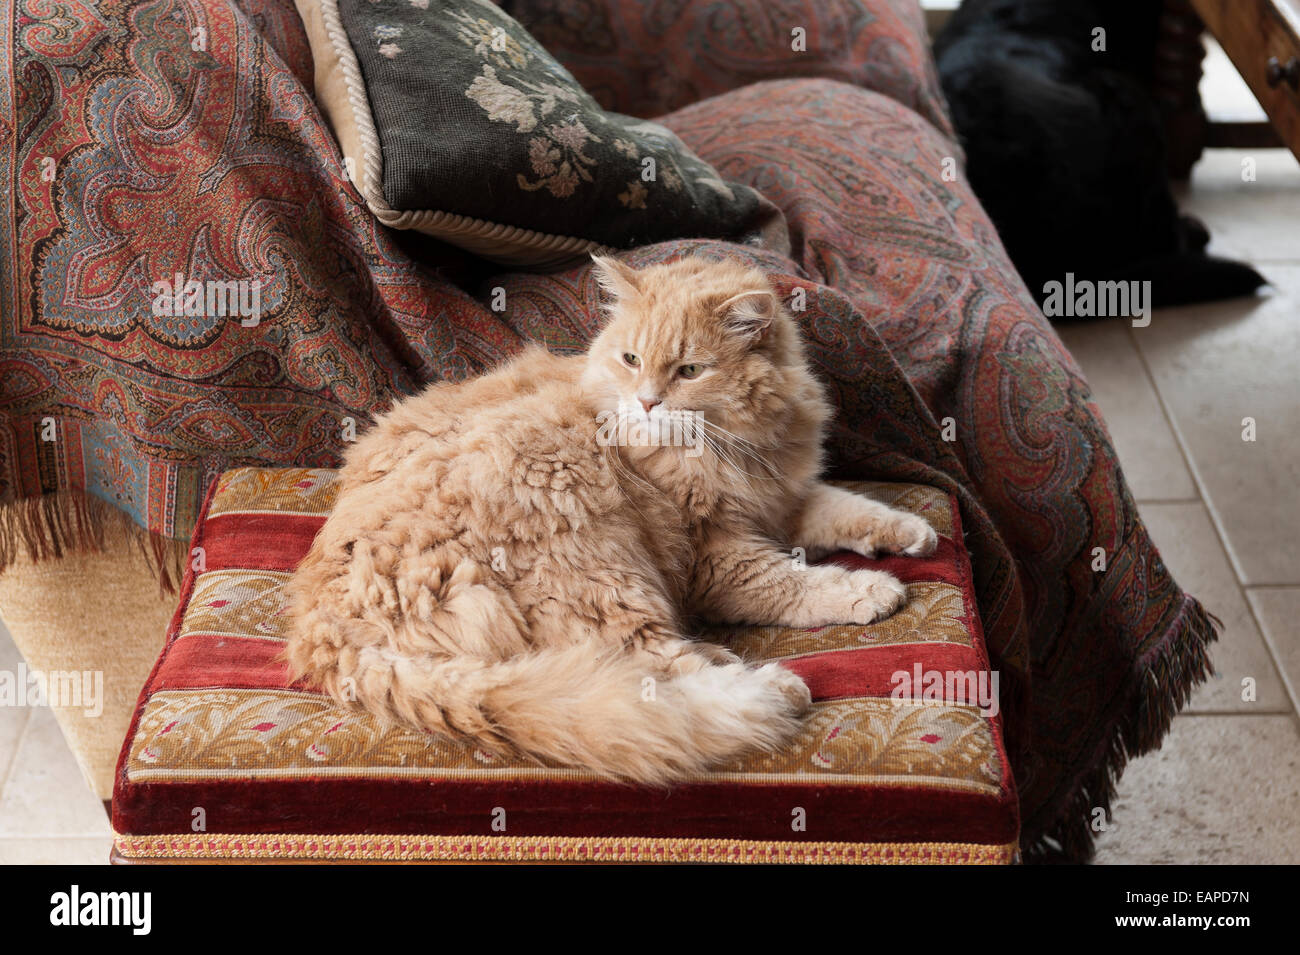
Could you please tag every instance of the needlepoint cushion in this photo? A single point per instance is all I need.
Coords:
(454, 121)
(226, 758)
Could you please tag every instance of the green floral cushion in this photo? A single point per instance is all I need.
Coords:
(454, 121)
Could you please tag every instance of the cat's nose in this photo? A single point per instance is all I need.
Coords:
(648, 403)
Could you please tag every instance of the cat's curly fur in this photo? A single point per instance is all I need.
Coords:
(504, 566)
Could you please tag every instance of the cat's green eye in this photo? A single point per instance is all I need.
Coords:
(690, 371)
(631, 359)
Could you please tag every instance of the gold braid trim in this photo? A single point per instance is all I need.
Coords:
(401, 848)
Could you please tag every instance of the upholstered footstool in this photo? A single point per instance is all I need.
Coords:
(900, 760)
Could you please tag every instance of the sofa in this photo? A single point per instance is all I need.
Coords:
(134, 151)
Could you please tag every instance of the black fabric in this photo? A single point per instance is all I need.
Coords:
(475, 117)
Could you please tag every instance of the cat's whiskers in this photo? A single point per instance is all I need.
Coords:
(721, 454)
(742, 445)
(733, 438)
(718, 445)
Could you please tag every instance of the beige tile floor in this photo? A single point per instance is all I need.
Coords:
(1225, 787)
(1225, 514)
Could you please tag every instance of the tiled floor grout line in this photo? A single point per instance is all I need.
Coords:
(1292, 691)
(1219, 532)
(1202, 492)
(8, 769)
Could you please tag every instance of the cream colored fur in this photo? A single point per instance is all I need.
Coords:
(501, 568)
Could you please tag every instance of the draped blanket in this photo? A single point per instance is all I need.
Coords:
(145, 140)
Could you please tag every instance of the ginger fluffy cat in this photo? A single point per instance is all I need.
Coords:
(512, 556)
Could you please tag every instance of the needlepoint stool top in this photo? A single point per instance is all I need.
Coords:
(899, 760)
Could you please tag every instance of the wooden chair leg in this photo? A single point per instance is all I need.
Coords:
(1176, 78)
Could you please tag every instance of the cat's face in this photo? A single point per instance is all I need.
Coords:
(690, 338)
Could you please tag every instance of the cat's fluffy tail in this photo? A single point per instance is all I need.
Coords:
(569, 706)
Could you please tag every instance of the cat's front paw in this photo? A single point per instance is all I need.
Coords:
(882, 594)
(865, 596)
(904, 534)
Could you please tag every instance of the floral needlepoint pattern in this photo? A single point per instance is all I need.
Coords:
(634, 196)
(577, 172)
(307, 490)
(844, 742)
(503, 104)
(385, 35)
(558, 161)
(263, 726)
(515, 95)
(220, 715)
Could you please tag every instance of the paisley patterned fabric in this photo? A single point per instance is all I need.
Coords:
(648, 57)
(145, 139)
(904, 715)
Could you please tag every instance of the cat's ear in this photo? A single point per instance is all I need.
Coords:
(617, 278)
(749, 314)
